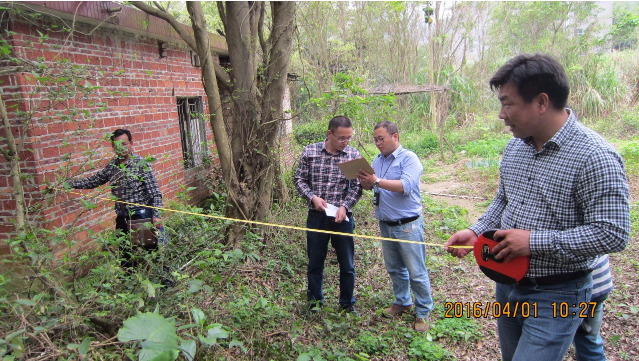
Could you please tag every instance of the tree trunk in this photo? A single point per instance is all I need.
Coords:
(13, 157)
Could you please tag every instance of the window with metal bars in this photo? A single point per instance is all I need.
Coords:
(192, 131)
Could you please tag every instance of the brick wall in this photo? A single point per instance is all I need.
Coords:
(137, 90)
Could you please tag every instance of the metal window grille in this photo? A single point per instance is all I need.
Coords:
(192, 131)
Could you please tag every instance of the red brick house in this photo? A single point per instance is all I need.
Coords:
(143, 77)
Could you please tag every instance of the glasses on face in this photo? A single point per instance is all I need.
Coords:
(342, 139)
(380, 139)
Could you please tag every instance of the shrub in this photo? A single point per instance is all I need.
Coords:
(310, 132)
(424, 144)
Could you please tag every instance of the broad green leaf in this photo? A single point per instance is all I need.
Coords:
(149, 326)
(198, 316)
(213, 334)
(157, 355)
(194, 286)
(189, 347)
(85, 346)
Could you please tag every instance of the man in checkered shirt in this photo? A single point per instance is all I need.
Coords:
(132, 180)
(562, 201)
(321, 183)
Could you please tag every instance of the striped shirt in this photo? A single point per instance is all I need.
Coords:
(572, 195)
(601, 279)
(318, 175)
(132, 181)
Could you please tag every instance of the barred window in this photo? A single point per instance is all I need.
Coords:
(192, 131)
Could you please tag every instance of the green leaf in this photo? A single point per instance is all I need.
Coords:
(154, 355)
(26, 302)
(216, 331)
(150, 288)
(18, 347)
(85, 346)
(199, 316)
(189, 347)
(194, 286)
(185, 327)
(236, 343)
(149, 326)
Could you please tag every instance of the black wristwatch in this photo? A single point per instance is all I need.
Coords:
(376, 182)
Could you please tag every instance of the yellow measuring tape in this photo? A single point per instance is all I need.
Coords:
(264, 223)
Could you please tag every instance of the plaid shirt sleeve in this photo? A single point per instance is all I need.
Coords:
(302, 176)
(94, 181)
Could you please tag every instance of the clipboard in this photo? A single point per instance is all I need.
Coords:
(351, 167)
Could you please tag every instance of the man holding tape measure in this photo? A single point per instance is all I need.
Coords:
(562, 202)
(398, 207)
(132, 181)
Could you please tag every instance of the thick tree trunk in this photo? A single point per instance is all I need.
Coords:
(246, 141)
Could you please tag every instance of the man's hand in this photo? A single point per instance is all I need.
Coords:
(319, 203)
(515, 242)
(464, 237)
(157, 222)
(341, 214)
(365, 179)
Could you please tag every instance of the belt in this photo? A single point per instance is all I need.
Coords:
(401, 221)
(554, 279)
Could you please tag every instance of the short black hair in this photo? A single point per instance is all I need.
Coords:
(339, 121)
(119, 132)
(533, 75)
(388, 125)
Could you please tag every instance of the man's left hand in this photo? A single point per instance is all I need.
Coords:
(340, 214)
(366, 179)
(515, 242)
(157, 222)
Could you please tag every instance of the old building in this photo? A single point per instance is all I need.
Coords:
(125, 69)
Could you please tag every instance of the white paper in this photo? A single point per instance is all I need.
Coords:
(331, 211)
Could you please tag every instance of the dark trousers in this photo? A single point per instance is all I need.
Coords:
(317, 247)
(125, 247)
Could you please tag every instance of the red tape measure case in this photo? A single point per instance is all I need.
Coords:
(498, 270)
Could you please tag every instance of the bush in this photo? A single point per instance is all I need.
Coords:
(310, 132)
(424, 144)
(486, 147)
(630, 153)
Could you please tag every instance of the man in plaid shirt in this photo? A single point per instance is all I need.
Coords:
(319, 180)
(132, 180)
(562, 201)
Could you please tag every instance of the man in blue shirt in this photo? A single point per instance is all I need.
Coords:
(562, 201)
(398, 208)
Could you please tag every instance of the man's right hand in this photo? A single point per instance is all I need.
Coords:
(319, 203)
(464, 237)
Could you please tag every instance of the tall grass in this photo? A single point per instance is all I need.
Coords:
(598, 87)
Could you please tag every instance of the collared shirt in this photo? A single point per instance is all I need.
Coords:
(404, 165)
(133, 181)
(318, 175)
(572, 195)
